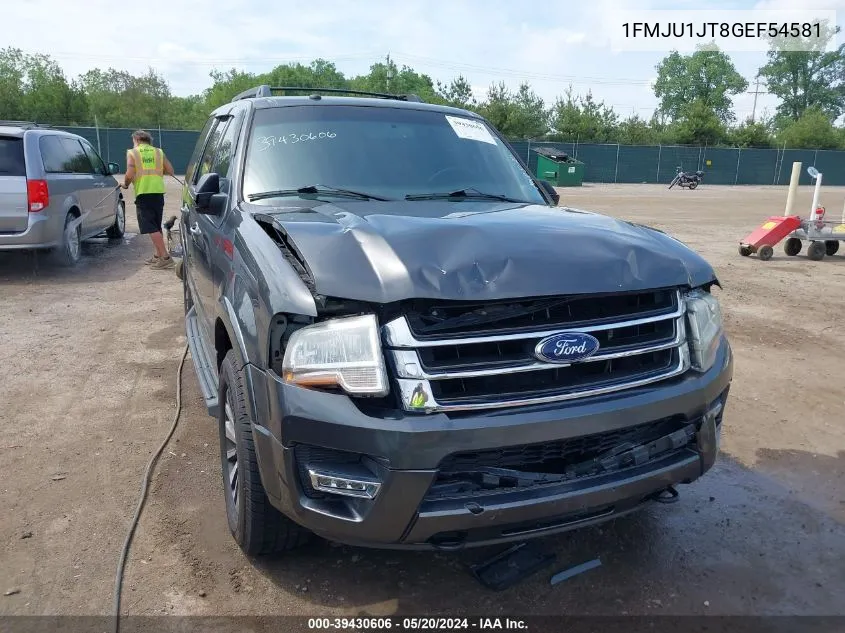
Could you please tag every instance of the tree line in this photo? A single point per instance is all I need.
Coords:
(695, 94)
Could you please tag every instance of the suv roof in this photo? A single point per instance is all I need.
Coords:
(17, 128)
(262, 97)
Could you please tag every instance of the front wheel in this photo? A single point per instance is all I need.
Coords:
(116, 230)
(831, 247)
(765, 252)
(258, 528)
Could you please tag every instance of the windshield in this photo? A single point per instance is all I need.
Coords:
(382, 152)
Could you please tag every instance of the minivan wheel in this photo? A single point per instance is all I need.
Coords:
(116, 230)
(258, 528)
(69, 251)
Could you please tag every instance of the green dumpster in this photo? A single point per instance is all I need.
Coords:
(559, 168)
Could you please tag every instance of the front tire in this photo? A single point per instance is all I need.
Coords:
(831, 247)
(816, 251)
(765, 252)
(258, 528)
(69, 252)
(116, 230)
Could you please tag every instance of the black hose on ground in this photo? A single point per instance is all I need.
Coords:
(118, 580)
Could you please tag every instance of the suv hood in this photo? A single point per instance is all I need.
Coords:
(388, 251)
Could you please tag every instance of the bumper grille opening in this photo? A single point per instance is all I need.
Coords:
(462, 474)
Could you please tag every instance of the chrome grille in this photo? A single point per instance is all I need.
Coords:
(442, 363)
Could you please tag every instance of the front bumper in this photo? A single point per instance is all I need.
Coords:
(408, 450)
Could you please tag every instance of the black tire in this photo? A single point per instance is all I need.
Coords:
(693, 184)
(116, 230)
(69, 252)
(744, 250)
(831, 247)
(765, 252)
(816, 251)
(792, 246)
(258, 528)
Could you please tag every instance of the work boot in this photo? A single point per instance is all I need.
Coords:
(152, 260)
(163, 263)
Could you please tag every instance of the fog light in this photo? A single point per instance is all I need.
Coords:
(334, 484)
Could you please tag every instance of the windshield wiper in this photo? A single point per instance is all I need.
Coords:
(314, 190)
(463, 194)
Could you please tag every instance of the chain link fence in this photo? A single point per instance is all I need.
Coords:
(605, 163)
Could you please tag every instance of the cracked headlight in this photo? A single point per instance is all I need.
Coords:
(344, 353)
(704, 328)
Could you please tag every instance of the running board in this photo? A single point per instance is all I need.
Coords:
(206, 374)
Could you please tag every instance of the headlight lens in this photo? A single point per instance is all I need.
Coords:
(343, 353)
(704, 321)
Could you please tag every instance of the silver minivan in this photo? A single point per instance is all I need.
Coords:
(55, 191)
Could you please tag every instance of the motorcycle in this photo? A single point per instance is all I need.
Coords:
(686, 179)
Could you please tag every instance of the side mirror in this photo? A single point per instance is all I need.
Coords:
(207, 188)
(549, 189)
(113, 168)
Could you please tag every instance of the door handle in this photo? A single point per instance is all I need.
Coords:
(195, 229)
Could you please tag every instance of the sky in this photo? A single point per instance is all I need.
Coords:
(550, 44)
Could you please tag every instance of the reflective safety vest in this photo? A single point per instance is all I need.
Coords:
(149, 169)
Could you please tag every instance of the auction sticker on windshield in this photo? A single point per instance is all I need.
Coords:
(469, 129)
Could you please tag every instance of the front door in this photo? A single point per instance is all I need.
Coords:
(105, 204)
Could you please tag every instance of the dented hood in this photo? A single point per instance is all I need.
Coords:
(388, 251)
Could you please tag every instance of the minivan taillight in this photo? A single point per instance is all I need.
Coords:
(38, 195)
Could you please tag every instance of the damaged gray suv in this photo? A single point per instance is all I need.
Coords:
(408, 344)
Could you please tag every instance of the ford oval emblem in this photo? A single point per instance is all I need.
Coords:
(567, 347)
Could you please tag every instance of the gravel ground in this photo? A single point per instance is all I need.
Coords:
(89, 359)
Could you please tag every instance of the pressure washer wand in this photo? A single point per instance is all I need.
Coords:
(177, 180)
(108, 195)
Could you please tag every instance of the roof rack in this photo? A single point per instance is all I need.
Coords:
(23, 124)
(267, 91)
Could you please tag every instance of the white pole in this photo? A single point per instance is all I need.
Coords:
(793, 188)
(816, 198)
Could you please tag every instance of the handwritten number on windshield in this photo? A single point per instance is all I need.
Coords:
(266, 142)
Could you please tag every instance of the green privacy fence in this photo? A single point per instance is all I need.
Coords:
(721, 165)
(603, 162)
(112, 143)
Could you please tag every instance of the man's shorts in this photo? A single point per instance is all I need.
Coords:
(150, 209)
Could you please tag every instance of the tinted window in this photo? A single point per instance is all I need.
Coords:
(77, 160)
(11, 157)
(94, 157)
(208, 155)
(53, 154)
(195, 157)
(388, 152)
(64, 156)
(226, 148)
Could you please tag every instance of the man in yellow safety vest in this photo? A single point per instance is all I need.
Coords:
(146, 167)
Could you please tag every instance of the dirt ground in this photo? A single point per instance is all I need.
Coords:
(89, 359)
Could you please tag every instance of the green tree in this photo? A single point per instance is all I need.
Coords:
(515, 115)
(458, 93)
(813, 130)
(707, 76)
(583, 119)
(698, 124)
(750, 134)
(635, 131)
(11, 83)
(810, 77)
